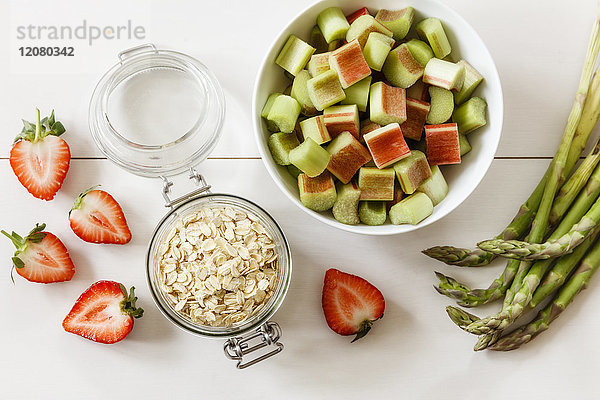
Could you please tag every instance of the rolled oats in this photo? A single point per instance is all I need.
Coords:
(218, 266)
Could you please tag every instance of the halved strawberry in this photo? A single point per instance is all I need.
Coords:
(41, 257)
(39, 158)
(350, 303)
(96, 217)
(103, 313)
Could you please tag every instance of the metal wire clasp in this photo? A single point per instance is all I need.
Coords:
(194, 175)
(266, 335)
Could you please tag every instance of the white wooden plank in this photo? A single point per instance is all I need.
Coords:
(414, 351)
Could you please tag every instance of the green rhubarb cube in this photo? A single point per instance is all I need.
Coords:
(420, 51)
(284, 113)
(464, 144)
(310, 158)
(401, 68)
(345, 209)
(387, 104)
(472, 79)
(398, 22)
(376, 184)
(363, 26)
(372, 213)
(470, 115)
(444, 74)
(441, 105)
(411, 210)
(333, 24)
(294, 55)
(318, 64)
(412, 171)
(325, 90)
(317, 193)
(435, 187)
(432, 30)
(358, 94)
(317, 40)
(280, 145)
(265, 111)
(376, 49)
(315, 129)
(300, 93)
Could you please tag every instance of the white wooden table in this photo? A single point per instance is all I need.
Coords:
(415, 352)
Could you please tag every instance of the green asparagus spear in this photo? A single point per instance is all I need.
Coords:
(460, 317)
(576, 283)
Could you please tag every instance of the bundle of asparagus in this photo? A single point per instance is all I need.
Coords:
(552, 244)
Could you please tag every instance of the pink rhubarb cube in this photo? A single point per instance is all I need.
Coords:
(340, 119)
(416, 112)
(387, 145)
(350, 64)
(442, 144)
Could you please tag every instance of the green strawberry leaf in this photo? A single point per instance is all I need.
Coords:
(18, 263)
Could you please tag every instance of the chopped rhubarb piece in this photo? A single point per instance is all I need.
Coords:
(376, 49)
(444, 74)
(411, 210)
(363, 26)
(376, 184)
(318, 64)
(347, 156)
(367, 126)
(472, 79)
(317, 193)
(310, 158)
(464, 144)
(350, 64)
(398, 195)
(470, 115)
(401, 68)
(352, 17)
(387, 145)
(435, 187)
(412, 171)
(372, 212)
(420, 51)
(416, 113)
(300, 93)
(284, 113)
(280, 145)
(431, 29)
(398, 22)
(315, 129)
(442, 144)
(317, 40)
(388, 104)
(340, 119)
(441, 105)
(345, 209)
(358, 94)
(325, 90)
(418, 91)
(294, 55)
(333, 24)
(271, 126)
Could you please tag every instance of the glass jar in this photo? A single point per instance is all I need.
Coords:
(150, 87)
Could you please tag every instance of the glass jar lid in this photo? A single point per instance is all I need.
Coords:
(156, 112)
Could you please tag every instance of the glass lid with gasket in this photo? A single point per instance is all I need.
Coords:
(218, 265)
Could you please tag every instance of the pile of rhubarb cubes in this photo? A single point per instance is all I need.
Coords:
(350, 126)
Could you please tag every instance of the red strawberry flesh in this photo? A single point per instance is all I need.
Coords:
(350, 303)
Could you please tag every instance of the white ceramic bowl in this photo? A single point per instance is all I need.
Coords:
(466, 43)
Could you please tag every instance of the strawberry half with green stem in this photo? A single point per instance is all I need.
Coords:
(40, 158)
(103, 313)
(96, 217)
(350, 303)
(41, 257)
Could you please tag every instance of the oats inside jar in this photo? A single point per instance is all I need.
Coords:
(218, 266)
